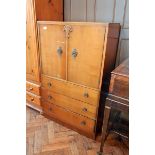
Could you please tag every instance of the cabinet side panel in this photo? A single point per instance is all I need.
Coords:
(32, 70)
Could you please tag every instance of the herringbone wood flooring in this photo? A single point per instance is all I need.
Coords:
(45, 137)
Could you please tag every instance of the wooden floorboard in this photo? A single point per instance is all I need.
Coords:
(45, 137)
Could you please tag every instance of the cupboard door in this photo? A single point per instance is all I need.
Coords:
(32, 70)
(85, 49)
(49, 10)
(53, 50)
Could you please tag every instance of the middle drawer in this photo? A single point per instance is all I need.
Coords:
(72, 90)
(69, 103)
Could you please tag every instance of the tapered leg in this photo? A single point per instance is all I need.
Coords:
(105, 126)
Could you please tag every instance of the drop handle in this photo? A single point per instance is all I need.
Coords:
(83, 123)
(32, 99)
(49, 84)
(49, 109)
(86, 95)
(84, 110)
(49, 97)
(74, 53)
(59, 51)
(30, 88)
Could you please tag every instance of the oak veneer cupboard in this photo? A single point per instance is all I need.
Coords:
(37, 9)
(76, 59)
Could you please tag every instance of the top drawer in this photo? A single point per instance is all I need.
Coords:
(33, 88)
(119, 86)
(72, 90)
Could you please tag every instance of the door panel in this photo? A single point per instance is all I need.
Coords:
(32, 70)
(84, 67)
(53, 50)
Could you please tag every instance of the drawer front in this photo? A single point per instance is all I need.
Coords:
(69, 89)
(69, 103)
(79, 122)
(33, 98)
(33, 88)
(119, 86)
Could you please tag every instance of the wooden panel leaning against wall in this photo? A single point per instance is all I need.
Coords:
(42, 10)
(49, 10)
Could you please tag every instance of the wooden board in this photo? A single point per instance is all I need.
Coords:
(49, 10)
(52, 37)
(88, 41)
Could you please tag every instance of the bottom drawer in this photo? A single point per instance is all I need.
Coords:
(33, 98)
(75, 121)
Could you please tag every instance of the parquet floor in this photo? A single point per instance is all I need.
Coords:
(45, 137)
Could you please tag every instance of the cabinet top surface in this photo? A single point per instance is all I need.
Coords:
(122, 69)
(77, 23)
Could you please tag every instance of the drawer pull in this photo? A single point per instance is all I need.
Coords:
(83, 123)
(30, 89)
(49, 97)
(49, 84)
(32, 99)
(84, 109)
(86, 95)
(49, 109)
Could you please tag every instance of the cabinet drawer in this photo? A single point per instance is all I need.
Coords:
(119, 86)
(33, 88)
(72, 90)
(76, 121)
(33, 98)
(69, 103)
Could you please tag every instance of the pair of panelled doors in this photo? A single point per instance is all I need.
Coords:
(72, 51)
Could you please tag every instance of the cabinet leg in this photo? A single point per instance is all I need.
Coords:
(105, 126)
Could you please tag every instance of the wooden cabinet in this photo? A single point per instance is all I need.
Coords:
(38, 10)
(75, 59)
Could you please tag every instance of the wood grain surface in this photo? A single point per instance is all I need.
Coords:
(45, 137)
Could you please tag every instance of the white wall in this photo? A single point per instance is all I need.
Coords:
(102, 11)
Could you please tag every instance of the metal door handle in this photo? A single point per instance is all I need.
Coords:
(59, 51)
(74, 53)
